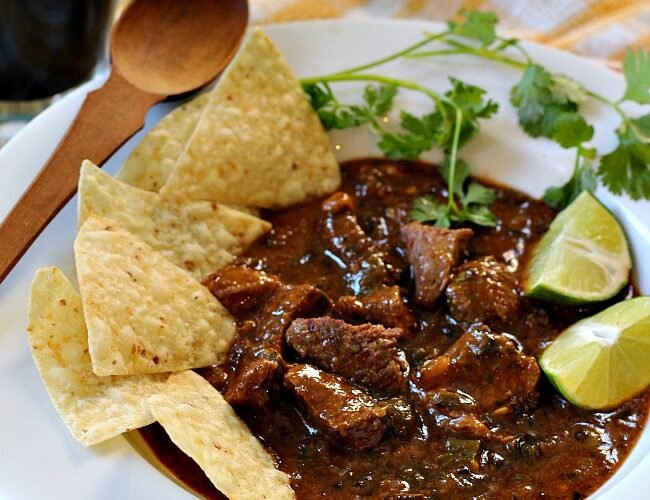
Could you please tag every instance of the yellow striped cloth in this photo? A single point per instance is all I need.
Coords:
(592, 28)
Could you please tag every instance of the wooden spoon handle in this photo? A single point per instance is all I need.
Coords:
(108, 117)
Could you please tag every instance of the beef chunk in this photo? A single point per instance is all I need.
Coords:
(264, 307)
(365, 353)
(347, 414)
(285, 305)
(454, 412)
(483, 290)
(432, 252)
(260, 361)
(241, 289)
(488, 366)
(256, 375)
(383, 305)
(350, 248)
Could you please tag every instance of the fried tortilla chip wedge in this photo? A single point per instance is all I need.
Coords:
(151, 161)
(258, 142)
(143, 313)
(198, 236)
(204, 426)
(93, 408)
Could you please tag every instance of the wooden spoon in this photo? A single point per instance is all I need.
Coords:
(158, 48)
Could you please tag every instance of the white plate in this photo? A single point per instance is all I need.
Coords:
(39, 459)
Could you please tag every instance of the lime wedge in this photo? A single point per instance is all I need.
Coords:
(603, 360)
(582, 258)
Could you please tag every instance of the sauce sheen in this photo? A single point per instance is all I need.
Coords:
(537, 447)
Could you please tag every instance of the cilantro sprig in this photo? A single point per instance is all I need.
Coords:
(474, 202)
(548, 105)
(453, 121)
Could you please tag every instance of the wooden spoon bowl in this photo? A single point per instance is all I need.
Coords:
(171, 47)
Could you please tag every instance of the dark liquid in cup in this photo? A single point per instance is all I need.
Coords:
(48, 46)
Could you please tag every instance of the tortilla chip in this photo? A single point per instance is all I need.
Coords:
(143, 313)
(151, 161)
(198, 236)
(258, 142)
(204, 426)
(93, 408)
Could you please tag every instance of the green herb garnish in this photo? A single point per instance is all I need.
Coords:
(548, 105)
(452, 122)
(474, 202)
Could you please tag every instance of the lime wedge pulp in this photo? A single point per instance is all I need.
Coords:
(582, 258)
(603, 360)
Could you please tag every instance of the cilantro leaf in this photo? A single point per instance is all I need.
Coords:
(403, 146)
(470, 100)
(334, 114)
(475, 205)
(583, 179)
(636, 68)
(478, 194)
(478, 214)
(622, 170)
(475, 209)
(460, 176)
(424, 126)
(418, 136)
(571, 130)
(627, 168)
(547, 106)
(530, 95)
(331, 112)
(476, 25)
(425, 209)
(474, 202)
(379, 98)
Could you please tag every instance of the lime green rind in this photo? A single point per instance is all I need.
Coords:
(548, 294)
(602, 361)
(583, 257)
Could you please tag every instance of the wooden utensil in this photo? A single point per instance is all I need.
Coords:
(158, 48)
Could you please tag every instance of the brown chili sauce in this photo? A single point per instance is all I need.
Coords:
(462, 410)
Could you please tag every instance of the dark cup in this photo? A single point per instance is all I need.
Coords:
(49, 46)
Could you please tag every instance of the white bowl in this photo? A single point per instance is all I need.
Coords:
(40, 459)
